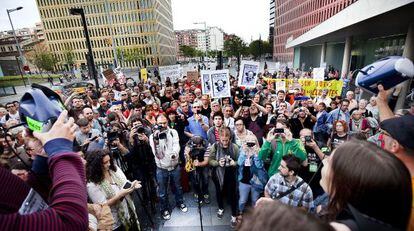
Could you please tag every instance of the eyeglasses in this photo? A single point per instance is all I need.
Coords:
(196, 107)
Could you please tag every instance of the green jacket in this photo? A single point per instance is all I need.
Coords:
(294, 147)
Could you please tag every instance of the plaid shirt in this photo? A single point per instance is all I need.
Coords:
(302, 195)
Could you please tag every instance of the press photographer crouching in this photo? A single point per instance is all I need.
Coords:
(196, 162)
(166, 148)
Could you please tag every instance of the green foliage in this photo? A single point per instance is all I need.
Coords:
(188, 51)
(42, 58)
(235, 47)
(257, 48)
(130, 54)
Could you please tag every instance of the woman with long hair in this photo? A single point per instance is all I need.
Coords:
(339, 135)
(252, 176)
(107, 184)
(240, 131)
(368, 187)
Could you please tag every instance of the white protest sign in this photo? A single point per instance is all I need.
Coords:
(280, 85)
(205, 82)
(277, 66)
(318, 73)
(220, 83)
(248, 74)
(172, 71)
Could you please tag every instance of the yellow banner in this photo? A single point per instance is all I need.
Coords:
(311, 87)
(144, 75)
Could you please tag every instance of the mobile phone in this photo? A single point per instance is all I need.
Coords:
(127, 185)
(279, 130)
(93, 138)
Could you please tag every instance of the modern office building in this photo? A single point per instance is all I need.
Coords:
(138, 32)
(272, 21)
(295, 17)
(358, 35)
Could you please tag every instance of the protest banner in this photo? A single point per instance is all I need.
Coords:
(192, 75)
(205, 82)
(280, 86)
(109, 74)
(220, 83)
(144, 75)
(311, 87)
(172, 71)
(248, 74)
(318, 73)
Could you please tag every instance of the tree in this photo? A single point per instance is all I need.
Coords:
(235, 47)
(69, 57)
(42, 57)
(257, 48)
(188, 51)
(131, 55)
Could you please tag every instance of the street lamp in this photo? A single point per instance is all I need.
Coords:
(205, 31)
(79, 11)
(21, 57)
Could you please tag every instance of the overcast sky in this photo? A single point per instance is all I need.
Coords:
(245, 18)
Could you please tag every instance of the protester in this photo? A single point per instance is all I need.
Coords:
(355, 191)
(223, 158)
(287, 187)
(107, 184)
(339, 134)
(66, 207)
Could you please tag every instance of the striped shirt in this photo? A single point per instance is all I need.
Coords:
(68, 199)
(300, 196)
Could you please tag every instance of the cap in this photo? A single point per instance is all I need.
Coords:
(401, 129)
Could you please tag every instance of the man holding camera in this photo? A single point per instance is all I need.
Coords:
(196, 162)
(165, 145)
(285, 144)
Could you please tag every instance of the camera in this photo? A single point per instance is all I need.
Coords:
(250, 145)
(247, 102)
(173, 156)
(308, 138)
(279, 130)
(140, 130)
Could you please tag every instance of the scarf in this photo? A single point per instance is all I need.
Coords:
(222, 153)
(122, 208)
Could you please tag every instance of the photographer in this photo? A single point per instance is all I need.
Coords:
(141, 161)
(312, 169)
(285, 144)
(196, 162)
(223, 158)
(118, 152)
(166, 148)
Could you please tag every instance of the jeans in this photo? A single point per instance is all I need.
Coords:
(244, 190)
(163, 177)
(200, 174)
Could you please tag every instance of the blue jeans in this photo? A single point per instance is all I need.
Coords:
(163, 178)
(244, 190)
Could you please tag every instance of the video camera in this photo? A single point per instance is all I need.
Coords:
(161, 135)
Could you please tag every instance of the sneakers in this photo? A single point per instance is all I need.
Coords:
(220, 213)
(166, 215)
(233, 222)
(206, 199)
(183, 208)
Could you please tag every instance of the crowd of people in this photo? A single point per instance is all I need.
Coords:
(278, 160)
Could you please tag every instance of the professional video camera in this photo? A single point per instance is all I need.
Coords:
(160, 132)
(197, 147)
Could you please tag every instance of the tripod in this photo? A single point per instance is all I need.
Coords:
(198, 176)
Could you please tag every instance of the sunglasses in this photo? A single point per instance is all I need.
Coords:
(134, 95)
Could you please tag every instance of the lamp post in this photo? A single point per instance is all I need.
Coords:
(21, 57)
(205, 31)
(79, 11)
